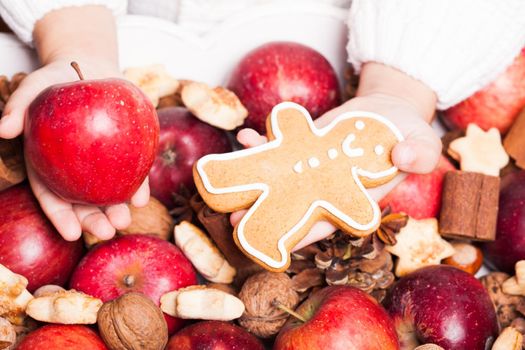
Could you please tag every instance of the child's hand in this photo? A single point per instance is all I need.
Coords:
(86, 35)
(407, 103)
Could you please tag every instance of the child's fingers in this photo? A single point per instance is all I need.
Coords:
(12, 122)
(94, 221)
(320, 230)
(119, 216)
(237, 216)
(250, 138)
(419, 153)
(141, 197)
(58, 211)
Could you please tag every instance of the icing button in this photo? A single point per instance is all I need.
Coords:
(332, 153)
(379, 150)
(298, 167)
(359, 125)
(313, 162)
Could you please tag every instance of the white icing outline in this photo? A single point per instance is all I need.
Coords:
(332, 153)
(313, 162)
(266, 189)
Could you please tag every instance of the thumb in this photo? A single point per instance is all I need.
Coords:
(420, 151)
(12, 122)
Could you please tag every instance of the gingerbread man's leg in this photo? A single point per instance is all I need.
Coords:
(265, 229)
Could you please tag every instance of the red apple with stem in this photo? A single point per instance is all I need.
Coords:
(509, 246)
(91, 141)
(338, 317)
(214, 335)
(442, 305)
(419, 195)
(183, 140)
(134, 263)
(494, 106)
(61, 337)
(284, 71)
(30, 245)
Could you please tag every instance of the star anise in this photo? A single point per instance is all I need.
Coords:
(390, 225)
(182, 209)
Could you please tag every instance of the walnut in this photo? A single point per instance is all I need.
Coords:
(153, 219)
(7, 335)
(260, 294)
(14, 296)
(516, 285)
(154, 81)
(132, 322)
(504, 304)
(429, 347)
(47, 289)
(509, 339)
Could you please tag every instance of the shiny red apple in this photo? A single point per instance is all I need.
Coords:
(419, 195)
(509, 246)
(91, 141)
(339, 317)
(183, 140)
(442, 305)
(496, 105)
(30, 245)
(284, 71)
(134, 263)
(214, 335)
(62, 337)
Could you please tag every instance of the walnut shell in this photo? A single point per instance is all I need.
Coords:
(152, 219)
(260, 293)
(132, 322)
(504, 304)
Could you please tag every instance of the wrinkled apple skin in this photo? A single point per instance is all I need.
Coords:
(419, 195)
(91, 141)
(62, 337)
(284, 71)
(509, 246)
(444, 306)
(134, 263)
(496, 105)
(214, 335)
(183, 140)
(30, 245)
(339, 317)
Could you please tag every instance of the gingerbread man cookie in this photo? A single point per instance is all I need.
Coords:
(301, 176)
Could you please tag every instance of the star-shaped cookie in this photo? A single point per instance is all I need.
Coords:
(418, 245)
(479, 151)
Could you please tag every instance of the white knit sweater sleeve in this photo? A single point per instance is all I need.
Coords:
(455, 47)
(21, 15)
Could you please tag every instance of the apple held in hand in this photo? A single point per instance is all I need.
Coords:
(496, 105)
(509, 246)
(214, 335)
(284, 71)
(183, 140)
(339, 317)
(419, 195)
(30, 245)
(61, 337)
(444, 306)
(134, 263)
(91, 141)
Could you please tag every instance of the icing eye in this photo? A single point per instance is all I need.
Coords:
(332, 153)
(298, 167)
(379, 150)
(359, 125)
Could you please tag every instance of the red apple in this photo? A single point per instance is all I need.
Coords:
(134, 263)
(30, 245)
(509, 246)
(214, 335)
(183, 140)
(496, 105)
(91, 141)
(444, 306)
(284, 71)
(339, 317)
(419, 195)
(61, 337)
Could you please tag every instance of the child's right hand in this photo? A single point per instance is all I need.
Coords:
(407, 103)
(85, 34)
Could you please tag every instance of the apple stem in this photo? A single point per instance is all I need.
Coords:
(76, 67)
(289, 311)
